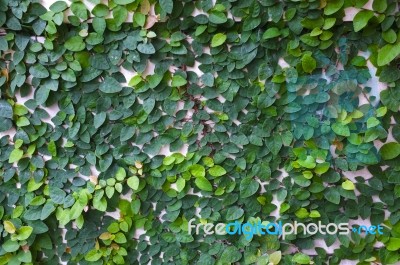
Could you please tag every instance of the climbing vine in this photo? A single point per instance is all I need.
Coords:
(232, 110)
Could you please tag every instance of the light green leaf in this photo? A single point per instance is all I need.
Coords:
(275, 257)
(372, 122)
(388, 53)
(75, 44)
(361, 19)
(218, 40)
(341, 129)
(314, 214)
(9, 227)
(133, 182)
(203, 183)
(217, 171)
(197, 170)
(308, 63)
(322, 168)
(23, 232)
(348, 185)
(301, 258)
(302, 213)
(180, 184)
(393, 244)
(93, 255)
(168, 160)
(271, 33)
(15, 155)
(178, 81)
(333, 6)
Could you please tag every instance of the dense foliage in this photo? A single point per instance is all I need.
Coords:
(265, 140)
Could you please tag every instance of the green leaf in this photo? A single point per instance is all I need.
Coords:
(390, 36)
(58, 6)
(203, 183)
(79, 10)
(314, 214)
(197, 170)
(388, 53)
(99, 119)
(178, 81)
(301, 258)
(48, 208)
(308, 63)
(393, 244)
(248, 187)
(22, 121)
(146, 48)
(208, 79)
(234, 213)
(168, 160)
(361, 19)
(10, 246)
(275, 257)
(217, 17)
(100, 10)
(332, 195)
(217, 171)
(39, 71)
(140, 19)
(322, 168)
(333, 6)
(309, 162)
(75, 44)
(23, 232)
(372, 122)
(379, 5)
(380, 112)
(180, 184)
(9, 227)
(167, 5)
(6, 110)
(15, 155)
(133, 182)
(390, 150)
(110, 85)
(123, 2)
(57, 195)
(275, 144)
(348, 185)
(271, 33)
(341, 129)
(230, 255)
(302, 213)
(148, 105)
(218, 40)
(93, 255)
